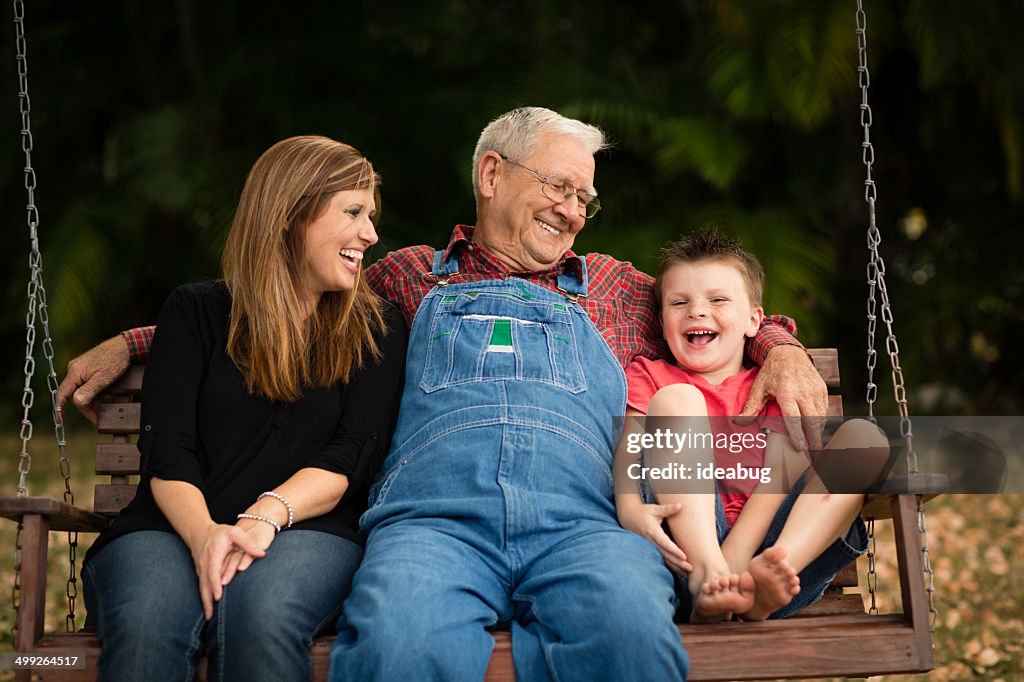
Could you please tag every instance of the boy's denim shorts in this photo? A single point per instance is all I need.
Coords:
(813, 579)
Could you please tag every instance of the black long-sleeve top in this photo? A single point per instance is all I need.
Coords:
(201, 425)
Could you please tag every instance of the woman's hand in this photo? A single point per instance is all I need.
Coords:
(645, 520)
(240, 558)
(213, 548)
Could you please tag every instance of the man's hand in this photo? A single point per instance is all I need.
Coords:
(91, 372)
(645, 520)
(788, 375)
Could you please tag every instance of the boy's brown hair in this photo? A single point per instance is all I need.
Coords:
(707, 245)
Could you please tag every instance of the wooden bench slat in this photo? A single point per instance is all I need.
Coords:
(846, 577)
(117, 459)
(111, 498)
(855, 646)
(119, 419)
(834, 603)
(826, 361)
(828, 645)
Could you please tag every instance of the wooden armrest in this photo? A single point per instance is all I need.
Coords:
(928, 486)
(62, 516)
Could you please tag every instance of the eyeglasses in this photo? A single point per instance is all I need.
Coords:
(556, 191)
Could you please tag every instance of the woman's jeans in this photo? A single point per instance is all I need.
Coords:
(142, 591)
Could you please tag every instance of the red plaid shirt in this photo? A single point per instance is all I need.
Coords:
(619, 300)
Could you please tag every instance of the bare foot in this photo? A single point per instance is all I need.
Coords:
(777, 583)
(717, 599)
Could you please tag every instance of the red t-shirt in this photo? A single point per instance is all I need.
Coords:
(645, 377)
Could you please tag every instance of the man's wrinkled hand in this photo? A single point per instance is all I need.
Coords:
(789, 376)
(645, 520)
(91, 372)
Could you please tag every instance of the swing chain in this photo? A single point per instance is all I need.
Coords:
(876, 281)
(872, 568)
(16, 585)
(37, 306)
(28, 395)
(922, 530)
(870, 194)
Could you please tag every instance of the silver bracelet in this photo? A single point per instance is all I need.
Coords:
(286, 503)
(260, 517)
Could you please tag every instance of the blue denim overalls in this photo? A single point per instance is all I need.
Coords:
(495, 503)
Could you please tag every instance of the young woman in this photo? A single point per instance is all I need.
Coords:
(268, 404)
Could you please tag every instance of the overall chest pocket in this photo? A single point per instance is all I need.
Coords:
(498, 337)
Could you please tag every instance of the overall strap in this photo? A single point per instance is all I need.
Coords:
(571, 285)
(442, 269)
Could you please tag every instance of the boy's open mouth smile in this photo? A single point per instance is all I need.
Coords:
(701, 337)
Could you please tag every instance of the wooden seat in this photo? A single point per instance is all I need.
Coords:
(834, 637)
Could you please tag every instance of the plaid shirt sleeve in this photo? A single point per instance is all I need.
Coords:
(139, 341)
(399, 277)
(776, 330)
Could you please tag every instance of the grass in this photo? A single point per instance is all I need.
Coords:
(974, 542)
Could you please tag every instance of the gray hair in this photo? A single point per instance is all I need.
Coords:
(516, 132)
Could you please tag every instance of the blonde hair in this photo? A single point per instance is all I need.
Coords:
(288, 187)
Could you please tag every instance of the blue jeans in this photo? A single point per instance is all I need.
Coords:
(424, 599)
(142, 591)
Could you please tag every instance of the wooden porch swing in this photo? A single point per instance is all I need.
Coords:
(834, 637)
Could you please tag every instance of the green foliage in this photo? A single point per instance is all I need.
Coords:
(739, 113)
(702, 146)
(767, 58)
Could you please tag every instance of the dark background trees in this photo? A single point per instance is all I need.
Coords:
(739, 113)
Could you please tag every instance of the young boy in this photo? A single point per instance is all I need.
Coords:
(754, 556)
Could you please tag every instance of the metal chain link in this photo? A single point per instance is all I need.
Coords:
(16, 586)
(34, 260)
(872, 568)
(876, 280)
(876, 266)
(37, 307)
(922, 531)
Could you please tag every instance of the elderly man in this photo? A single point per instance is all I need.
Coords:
(494, 505)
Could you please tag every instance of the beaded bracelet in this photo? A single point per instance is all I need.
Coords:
(264, 519)
(286, 503)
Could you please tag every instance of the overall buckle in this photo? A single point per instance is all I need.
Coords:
(438, 280)
(572, 298)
